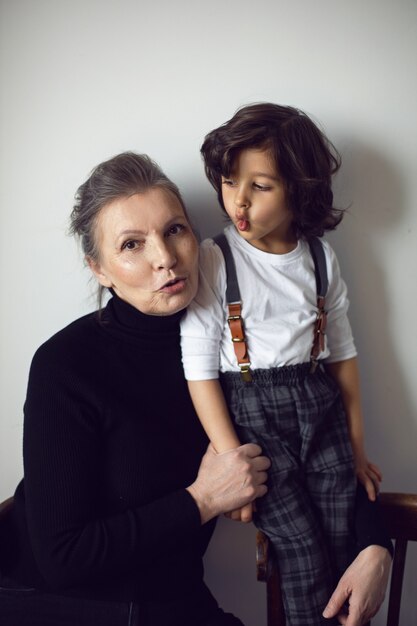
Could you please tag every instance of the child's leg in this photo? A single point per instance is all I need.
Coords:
(288, 518)
(266, 413)
(330, 474)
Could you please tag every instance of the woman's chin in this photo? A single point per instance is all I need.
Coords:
(169, 304)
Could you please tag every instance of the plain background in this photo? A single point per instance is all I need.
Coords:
(86, 79)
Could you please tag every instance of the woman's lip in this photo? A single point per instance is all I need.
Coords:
(174, 286)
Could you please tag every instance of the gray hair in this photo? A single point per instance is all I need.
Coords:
(123, 175)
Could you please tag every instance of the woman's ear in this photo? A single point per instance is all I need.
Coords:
(98, 272)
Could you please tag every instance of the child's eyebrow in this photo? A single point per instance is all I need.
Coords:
(265, 175)
(256, 174)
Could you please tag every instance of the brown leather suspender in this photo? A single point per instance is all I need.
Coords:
(234, 305)
(239, 340)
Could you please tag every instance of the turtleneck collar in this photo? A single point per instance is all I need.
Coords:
(126, 315)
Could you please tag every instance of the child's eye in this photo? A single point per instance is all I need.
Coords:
(228, 182)
(261, 187)
(175, 229)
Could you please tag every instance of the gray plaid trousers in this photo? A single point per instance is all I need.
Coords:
(299, 421)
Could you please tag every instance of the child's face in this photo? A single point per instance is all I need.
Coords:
(254, 198)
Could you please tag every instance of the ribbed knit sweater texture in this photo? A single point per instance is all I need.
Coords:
(110, 443)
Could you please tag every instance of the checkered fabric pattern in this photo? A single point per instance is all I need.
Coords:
(299, 421)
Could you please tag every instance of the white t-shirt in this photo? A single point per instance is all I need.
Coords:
(279, 308)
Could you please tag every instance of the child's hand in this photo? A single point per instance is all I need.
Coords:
(370, 476)
(242, 515)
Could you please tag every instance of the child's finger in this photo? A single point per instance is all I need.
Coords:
(234, 515)
(246, 513)
(375, 470)
(370, 489)
(374, 478)
(368, 484)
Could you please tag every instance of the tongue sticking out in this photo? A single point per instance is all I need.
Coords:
(243, 224)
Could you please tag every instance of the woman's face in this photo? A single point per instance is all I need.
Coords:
(147, 252)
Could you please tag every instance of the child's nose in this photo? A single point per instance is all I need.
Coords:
(241, 198)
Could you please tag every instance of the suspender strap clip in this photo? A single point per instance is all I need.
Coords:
(319, 333)
(246, 374)
(322, 284)
(239, 340)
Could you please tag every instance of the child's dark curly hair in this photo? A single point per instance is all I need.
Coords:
(304, 157)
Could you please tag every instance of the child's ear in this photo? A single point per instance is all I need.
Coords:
(98, 272)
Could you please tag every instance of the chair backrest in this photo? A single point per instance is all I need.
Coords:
(5, 507)
(400, 517)
(399, 512)
(267, 572)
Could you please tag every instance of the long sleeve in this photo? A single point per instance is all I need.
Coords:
(107, 417)
(74, 535)
(369, 525)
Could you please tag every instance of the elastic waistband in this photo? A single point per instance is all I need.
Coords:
(286, 375)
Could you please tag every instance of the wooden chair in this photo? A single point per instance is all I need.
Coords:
(5, 507)
(400, 516)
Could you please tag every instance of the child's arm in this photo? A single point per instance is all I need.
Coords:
(346, 374)
(211, 408)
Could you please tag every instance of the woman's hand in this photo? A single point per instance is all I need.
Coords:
(363, 586)
(229, 480)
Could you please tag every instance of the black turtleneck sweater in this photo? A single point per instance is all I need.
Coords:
(111, 441)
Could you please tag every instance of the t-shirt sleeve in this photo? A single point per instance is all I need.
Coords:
(202, 326)
(338, 332)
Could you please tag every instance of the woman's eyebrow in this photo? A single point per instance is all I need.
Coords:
(136, 231)
(131, 231)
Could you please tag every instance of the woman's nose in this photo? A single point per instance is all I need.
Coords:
(163, 255)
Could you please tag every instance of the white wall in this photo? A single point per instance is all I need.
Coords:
(84, 80)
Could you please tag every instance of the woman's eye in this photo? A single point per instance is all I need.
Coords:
(131, 244)
(175, 229)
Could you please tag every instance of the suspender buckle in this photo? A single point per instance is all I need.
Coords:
(319, 333)
(237, 333)
(246, 373)
(320, 327)
(314, 364)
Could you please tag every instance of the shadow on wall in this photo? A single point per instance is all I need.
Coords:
(365, 247)
(230, 568)
(205, 213)
(370, 243)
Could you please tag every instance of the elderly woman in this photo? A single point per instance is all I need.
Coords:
(119, 495)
